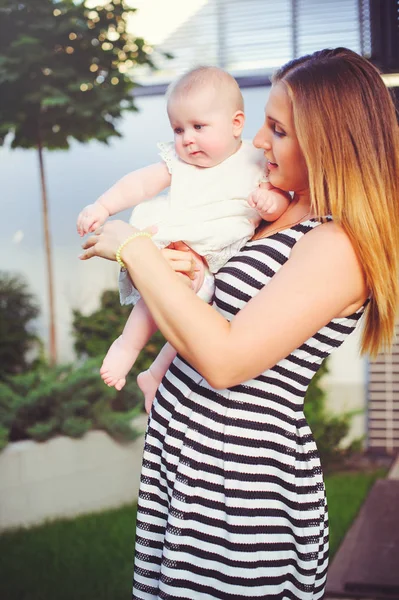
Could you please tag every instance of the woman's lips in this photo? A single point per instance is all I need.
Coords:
(271, 165)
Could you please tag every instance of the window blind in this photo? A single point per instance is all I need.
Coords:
(383, 401)
(255, 36)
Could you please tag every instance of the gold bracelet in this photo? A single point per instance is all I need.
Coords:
(127, 240)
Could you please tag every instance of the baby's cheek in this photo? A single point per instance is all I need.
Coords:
(217, 147)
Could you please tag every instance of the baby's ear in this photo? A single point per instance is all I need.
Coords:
(238, 123)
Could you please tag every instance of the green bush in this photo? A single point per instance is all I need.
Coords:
(18, 311)
(95, 333)
(328, 430)
(66, 400)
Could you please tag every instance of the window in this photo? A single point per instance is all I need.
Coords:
(383, 401)
(248, 38)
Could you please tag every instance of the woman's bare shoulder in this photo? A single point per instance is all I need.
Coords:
(329, 247)
(324, 235)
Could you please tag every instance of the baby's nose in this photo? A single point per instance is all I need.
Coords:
(188, 138)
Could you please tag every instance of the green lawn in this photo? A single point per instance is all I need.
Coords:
(90, 558)
(345, 495)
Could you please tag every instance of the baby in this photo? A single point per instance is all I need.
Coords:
(218, 195)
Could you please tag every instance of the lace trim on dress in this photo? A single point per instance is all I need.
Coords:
(218, 258)
(128, 294)
(167, 153)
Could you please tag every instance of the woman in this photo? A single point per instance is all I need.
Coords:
(232, 501)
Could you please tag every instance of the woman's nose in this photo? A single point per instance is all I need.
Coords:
(260, 140)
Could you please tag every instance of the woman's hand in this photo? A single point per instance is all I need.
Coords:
(106, 240)
(181, 258)
(186, 263)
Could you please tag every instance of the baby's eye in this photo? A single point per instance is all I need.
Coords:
(178, 130)
(198, 126)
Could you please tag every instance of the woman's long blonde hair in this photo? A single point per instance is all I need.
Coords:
(347, 128)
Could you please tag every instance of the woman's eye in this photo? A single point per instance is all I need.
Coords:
(178, 130)
(198, 127)
(278, 132)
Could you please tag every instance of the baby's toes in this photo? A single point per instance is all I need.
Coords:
(120, 383)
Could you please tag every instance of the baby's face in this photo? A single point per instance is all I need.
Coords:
(204, 127)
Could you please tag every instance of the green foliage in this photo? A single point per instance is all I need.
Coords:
(345, 494)
(328, 430)
(3, 437)
(65, 400)
(18, 308)
(65, 70)
(95, 333)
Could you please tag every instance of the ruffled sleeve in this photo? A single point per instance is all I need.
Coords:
(167, 153)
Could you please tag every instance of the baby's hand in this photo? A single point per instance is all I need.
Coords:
(269, 202)
(91, 217)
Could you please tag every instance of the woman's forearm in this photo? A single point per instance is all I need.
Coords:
(193, 327)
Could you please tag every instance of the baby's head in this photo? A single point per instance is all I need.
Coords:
(205, 108)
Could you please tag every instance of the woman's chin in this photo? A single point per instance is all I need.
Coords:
(278, 182)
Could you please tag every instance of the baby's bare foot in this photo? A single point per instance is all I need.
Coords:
(117, 363)
(148, 385)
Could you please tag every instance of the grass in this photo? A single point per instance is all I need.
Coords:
(345, 495)
(91, 557)
(88, 558)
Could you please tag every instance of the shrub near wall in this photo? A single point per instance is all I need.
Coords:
(66, 400)
(45, 471)
(328, 430)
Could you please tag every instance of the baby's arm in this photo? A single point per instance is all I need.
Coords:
(126, 193)
(270, 202)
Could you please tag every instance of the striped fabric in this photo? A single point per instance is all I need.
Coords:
(232, 502)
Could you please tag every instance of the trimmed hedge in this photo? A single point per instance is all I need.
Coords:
(66, 400)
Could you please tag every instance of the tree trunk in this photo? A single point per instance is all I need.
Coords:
(47, 242)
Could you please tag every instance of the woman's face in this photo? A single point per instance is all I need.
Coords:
(277, 137)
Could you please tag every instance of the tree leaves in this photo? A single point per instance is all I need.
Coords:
(65, 70)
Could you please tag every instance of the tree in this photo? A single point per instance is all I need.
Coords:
(95, 333)
(18, 308)
(64, 73)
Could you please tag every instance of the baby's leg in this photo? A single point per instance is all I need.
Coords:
(149, 380)
(123, 353)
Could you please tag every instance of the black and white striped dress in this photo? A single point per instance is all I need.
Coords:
(232, 502)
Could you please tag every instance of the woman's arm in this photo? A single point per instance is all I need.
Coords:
(321, 280)
(129, 191)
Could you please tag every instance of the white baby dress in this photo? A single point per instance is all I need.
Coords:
(206, 208)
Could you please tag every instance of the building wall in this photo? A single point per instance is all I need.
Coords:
(346, 384)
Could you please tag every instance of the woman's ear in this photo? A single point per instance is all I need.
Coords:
(238, 123)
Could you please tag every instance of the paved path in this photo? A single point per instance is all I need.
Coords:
(357, 536)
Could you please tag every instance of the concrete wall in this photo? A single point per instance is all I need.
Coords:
(65, 477)
(346, 384)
